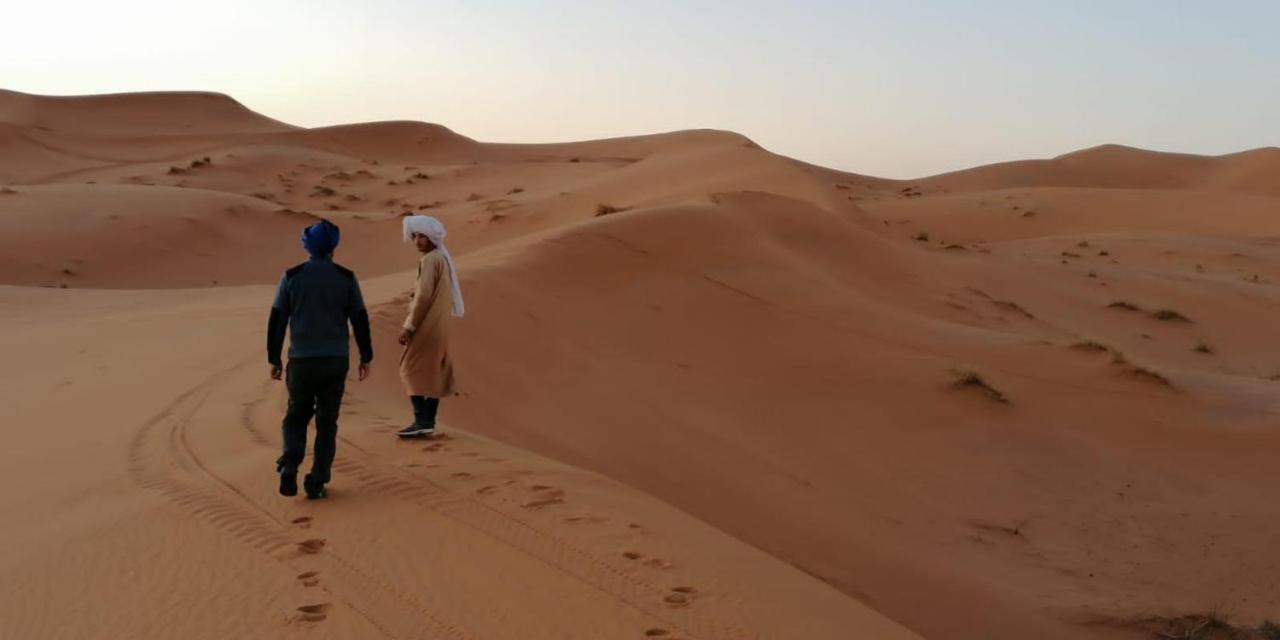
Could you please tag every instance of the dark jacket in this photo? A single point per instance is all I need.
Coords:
(315, 301)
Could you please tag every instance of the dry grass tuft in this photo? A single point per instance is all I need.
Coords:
(604, 210)
(1169, 315)
(1014, 307)
(1269, 630)
(1092, 346)
(1210, 626)
(970, 379)
(1143, 373)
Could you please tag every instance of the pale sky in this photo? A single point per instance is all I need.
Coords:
(898, 88)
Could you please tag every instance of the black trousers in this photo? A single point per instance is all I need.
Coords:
(315, 390)
(424, 410)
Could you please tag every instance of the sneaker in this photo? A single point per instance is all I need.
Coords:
(288, 484)
(416, 430)
(315, 490)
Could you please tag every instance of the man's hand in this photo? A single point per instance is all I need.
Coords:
(363, 371)
(276, 370)
(405, 336)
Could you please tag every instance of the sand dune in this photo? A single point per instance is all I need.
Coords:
(1108, 167)
(707, 391)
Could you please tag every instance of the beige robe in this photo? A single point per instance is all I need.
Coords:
(425, 366)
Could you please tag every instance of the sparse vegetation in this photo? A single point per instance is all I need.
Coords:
(1104, 253)
(1202, 347)
(1124, 306)
(1270, 630)
(604, 210)
(1210, 626)
(969, 379)
(1144, 373)
(1093, 274)
(1083, 244)
(421, 176)
(176, 171)
(1014, 307)
(1169, 315)
(323, 192)
(921, 237)
(1068, 254)
(1091, 345)
(202, 162)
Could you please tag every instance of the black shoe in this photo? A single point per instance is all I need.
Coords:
(416, 430)
(315, 490)
(288, 484)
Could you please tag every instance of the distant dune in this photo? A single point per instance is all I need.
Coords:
(707, 391)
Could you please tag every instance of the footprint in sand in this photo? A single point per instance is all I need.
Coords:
(538, 504)
(304, 522)
(313, 545)
(658, 563)
(461, 475)
(310, 578)
(314, 612)
(677, 600)
(632, 555)
(433, 447)
(585, 519)
(680, 596)
(484, 491)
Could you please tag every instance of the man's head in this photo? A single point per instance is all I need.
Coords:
(425, 232)
(320, 239)
(423, 243)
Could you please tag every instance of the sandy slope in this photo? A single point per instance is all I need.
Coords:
(766, 349)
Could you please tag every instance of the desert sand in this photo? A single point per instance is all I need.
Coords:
(707, 391)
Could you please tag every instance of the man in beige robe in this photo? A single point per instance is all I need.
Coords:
(425, 367)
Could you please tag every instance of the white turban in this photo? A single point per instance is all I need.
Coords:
(434, 229)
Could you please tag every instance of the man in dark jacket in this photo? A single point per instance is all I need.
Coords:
(315, 301)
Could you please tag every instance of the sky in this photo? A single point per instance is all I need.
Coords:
(896, 88)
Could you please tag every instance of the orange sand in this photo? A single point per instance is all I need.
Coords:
(727, 411)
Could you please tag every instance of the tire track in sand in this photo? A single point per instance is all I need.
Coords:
(160, 458)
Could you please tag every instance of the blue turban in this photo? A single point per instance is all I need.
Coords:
(320, 239)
